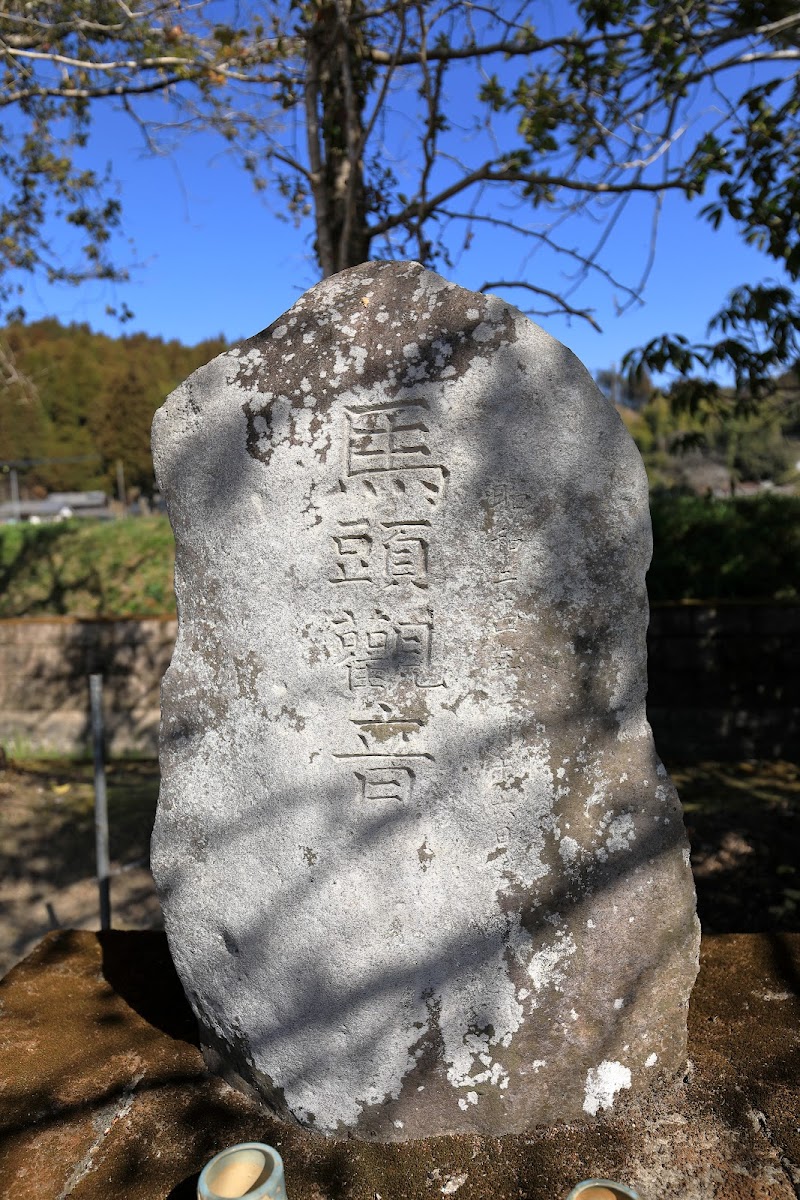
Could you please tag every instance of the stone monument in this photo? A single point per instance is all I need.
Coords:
(421, 868)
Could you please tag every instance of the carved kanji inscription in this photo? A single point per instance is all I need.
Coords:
(382, 648)
(382, 553)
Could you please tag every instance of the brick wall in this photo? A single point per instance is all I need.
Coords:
(724, 681)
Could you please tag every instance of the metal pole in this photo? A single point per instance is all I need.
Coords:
(122, 494)
(100, 802)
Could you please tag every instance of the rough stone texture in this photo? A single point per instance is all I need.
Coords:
(103, 1093)
(421, 868)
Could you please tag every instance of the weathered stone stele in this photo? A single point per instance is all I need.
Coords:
(421, 868)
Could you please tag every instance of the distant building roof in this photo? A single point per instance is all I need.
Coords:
(77, 499)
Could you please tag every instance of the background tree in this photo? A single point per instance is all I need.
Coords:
(400, 128)
(631, 390)
(88, 398)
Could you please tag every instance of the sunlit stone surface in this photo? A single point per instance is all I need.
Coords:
(421, 867)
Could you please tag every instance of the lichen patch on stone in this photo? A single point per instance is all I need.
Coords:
(602, 1084)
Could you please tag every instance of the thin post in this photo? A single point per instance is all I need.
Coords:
(121, 492)
(14, 495)
(100, 801)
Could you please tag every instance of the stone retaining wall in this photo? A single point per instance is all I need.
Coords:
(724, 681)
(44, 690)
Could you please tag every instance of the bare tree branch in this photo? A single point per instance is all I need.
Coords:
(583, 313)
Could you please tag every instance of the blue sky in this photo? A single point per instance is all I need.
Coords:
(210, 256)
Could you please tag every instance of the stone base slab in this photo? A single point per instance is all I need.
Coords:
(103, 1092)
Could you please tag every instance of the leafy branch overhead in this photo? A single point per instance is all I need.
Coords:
(397, 129)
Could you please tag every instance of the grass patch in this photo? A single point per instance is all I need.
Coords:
(743, 821)
(85, 568)
(53, 838)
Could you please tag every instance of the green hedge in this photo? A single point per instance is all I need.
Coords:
(742, 549)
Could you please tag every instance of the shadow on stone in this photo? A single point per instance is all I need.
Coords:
(786, 964)
(132, 977)
(186, 1189)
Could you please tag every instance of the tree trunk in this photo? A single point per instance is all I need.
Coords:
(338, 79)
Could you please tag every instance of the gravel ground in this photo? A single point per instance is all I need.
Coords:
(47, 848)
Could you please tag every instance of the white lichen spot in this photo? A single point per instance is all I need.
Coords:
(472, 314)
(687, 854)
(472, 1097)
(382, 316)
(569, 850)
(560, 773)
(280, 331)
(398, 1124)
(537, 1065)
(661, 771)
(651, 1060)
(590, 924)
(523, 993)
(573, 1015)
(621, 833)
(359, 357)
(411, 350)
(483, 332)
(602, 1085)
(597, 796)
(547, 968)
(476, 1047)
(618, 1003)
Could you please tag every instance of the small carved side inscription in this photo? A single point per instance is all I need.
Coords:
(505, 502)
